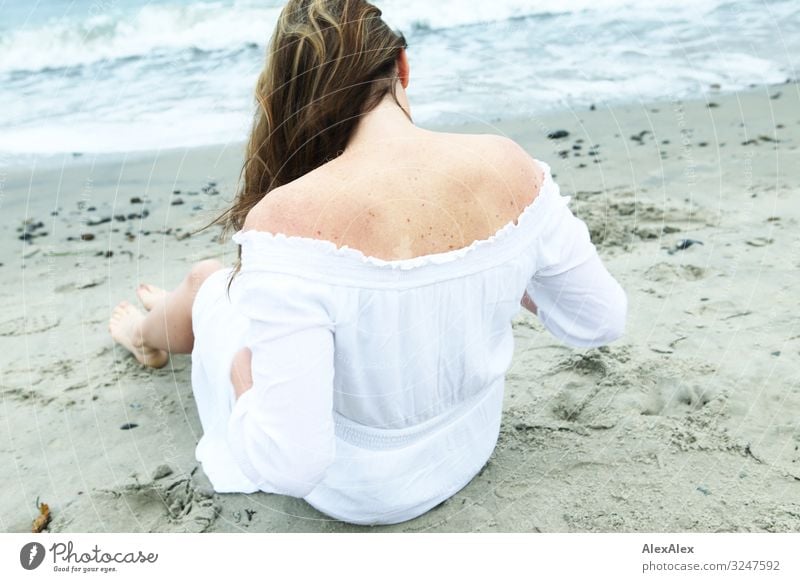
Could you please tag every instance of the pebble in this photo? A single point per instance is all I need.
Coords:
(128, 426)
(760, 241)
(684, 244)
(204, 491)
(161, 472)
(558, 134)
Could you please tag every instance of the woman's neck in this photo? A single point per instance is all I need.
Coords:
(386, 121)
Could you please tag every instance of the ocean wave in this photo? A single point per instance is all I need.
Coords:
(93, 36)
(105, 37)
(176, 74)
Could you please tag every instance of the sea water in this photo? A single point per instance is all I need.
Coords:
(117, 75)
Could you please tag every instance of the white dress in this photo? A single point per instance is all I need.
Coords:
(378, 385)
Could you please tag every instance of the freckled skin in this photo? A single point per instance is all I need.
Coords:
(439, 191)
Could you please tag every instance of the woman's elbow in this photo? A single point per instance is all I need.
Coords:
(608, 326)
(617, 317)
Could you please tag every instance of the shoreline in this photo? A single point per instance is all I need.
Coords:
(19, 160)
(693, 412)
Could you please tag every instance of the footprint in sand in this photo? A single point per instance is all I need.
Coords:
(160, 506)
(620, 219)
(664, 272)
(34, 323)
(673, 396)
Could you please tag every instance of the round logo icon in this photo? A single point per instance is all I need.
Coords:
(31, 555)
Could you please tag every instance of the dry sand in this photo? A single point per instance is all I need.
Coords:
(691, 422)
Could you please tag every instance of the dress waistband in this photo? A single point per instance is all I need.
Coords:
(371, 437)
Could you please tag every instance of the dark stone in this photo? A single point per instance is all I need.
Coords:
(684, 244)
(161, 472)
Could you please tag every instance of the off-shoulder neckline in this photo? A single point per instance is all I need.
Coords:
(261, 239)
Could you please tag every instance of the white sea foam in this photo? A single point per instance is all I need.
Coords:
(91, 36)
(178, 73)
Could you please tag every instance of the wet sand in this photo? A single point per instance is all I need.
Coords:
(691, 422)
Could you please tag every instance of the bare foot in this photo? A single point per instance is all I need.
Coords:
(124, 326)
(150, 295)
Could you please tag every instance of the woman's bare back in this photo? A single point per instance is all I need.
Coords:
(426, 193)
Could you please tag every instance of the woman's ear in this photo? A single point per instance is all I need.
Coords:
(403, 68)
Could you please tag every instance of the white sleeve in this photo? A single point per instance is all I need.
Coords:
(578, 300)
(281, 431)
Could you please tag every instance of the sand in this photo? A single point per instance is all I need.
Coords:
(691, 422)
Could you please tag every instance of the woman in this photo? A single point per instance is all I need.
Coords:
(356, 355)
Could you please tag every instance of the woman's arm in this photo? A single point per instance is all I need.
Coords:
(583, 306)
(242, 372)
(281, 430)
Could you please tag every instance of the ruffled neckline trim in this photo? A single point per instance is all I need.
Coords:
(331, 251)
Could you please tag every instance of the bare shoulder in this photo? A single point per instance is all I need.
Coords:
(506, 165)
(322, 205)
(510, 157)
(280, 211)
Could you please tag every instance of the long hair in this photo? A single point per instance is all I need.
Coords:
(328, 63)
